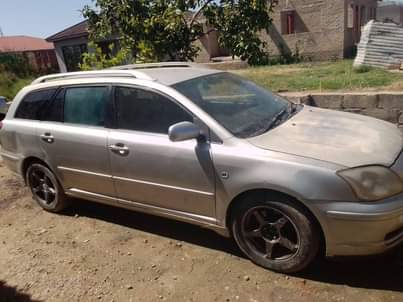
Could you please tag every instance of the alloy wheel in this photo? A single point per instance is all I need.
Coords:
(42, 186)
(270, 234)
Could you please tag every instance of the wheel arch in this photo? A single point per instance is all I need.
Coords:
(29, 161)
(275, 193)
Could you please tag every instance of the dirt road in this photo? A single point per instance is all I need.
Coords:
(99, 253)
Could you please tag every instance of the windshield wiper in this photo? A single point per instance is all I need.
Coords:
(290, 110)
(266, 126)
(276, 119)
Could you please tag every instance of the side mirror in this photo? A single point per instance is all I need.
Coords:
(183, 131)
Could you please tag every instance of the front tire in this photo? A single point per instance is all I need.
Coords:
(45, 188)
(277, 235)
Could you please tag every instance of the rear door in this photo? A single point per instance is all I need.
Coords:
(18, 133)
(73, 137)
(150, 169)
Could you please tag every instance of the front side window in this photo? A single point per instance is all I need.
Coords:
(32, 106)
(85, 105)
(239, 105)
(147, 111)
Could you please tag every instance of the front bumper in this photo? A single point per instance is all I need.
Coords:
(352, 228)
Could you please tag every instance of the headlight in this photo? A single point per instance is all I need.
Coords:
(372, 182)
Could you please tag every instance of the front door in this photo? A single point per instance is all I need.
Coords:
(73, 138)
(150, 169)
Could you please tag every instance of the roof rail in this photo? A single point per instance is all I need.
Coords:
(91, 74)
(156, 65)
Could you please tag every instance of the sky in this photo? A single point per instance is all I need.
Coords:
(39, 18)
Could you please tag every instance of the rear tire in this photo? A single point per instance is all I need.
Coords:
(45, 188)
(277, 235)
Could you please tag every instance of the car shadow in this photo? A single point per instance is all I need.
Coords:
(381, 272)
(384, 272)
(175, 230)
(11, 294)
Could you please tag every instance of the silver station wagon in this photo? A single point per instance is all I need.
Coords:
(210, 148)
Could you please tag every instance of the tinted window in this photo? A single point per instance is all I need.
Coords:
(54, 110)
(85, 105)
(147, 111)
(32, 106)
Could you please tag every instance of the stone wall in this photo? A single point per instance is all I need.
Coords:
(384, 105)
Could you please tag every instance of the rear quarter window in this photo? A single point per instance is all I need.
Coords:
(33, 104)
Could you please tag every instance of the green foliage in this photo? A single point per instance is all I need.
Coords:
(162, 30)
(239, 24)
(362, 69)
(286, 57)
(15, 73)
(17, 64)
(99, 60)
(10, 84)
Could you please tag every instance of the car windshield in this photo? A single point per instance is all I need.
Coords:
(239, 105)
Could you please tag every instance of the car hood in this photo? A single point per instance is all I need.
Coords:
(342, 138)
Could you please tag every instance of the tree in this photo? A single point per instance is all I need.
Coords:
(157, 30)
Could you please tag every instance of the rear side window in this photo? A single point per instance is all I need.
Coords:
(85, 105)
(32, 106)
(147, 111)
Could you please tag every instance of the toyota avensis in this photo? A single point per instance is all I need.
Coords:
(210, 148)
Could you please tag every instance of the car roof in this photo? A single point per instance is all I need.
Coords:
(172, 75)
(166, 74)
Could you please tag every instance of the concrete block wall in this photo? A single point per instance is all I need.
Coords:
(384, 105)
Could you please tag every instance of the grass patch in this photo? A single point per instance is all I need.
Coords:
(324, 76)
(10, 84)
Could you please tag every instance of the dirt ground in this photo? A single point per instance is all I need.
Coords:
(98, 253)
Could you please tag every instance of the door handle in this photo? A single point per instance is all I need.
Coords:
(48, 138)
(120, 149)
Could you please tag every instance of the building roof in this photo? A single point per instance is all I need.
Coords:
(23, 43)
(75, 31)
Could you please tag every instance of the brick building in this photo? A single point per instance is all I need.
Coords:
(319, 29)
(39, 53)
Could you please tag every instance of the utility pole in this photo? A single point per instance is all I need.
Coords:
(1, 32)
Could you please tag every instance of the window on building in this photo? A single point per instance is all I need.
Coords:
(372, 13)
(292, 23)
(73, 56)
(363, 15)
(288, 22)
(31, 107)
(147, 111)
(350, 16)
(85, 105)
